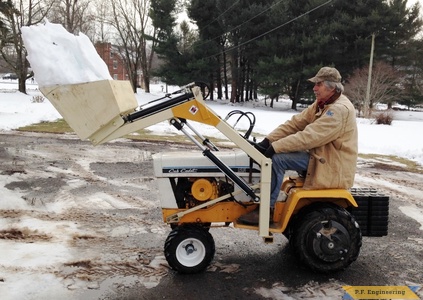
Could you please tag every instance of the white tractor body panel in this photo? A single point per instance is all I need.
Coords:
(167, 196)
(196, 165)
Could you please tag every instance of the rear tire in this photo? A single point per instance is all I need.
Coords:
(189, 249)
(326, 238)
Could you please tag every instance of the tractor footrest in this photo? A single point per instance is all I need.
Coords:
(372, 213)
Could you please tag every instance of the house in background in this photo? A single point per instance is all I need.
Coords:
(114, 61)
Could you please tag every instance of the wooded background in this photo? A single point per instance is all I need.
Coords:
(243, 48)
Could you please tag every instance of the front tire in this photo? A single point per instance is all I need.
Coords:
(189, 249)
(327, 238)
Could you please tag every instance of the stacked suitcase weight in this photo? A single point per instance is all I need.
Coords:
(372, 213)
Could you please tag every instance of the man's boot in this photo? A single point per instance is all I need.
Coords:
(252, 218)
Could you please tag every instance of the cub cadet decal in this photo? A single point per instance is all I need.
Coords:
(211, 169)
(181, 170)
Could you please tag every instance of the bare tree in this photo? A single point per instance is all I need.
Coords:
(20, 13)
(131, 21)
(386, 86)
(102, 27)
(74, 15)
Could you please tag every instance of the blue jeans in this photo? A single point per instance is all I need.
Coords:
(281, 162)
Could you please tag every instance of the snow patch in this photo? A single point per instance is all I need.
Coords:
(414, 213)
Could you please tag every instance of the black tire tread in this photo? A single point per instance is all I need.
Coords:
(318, 213)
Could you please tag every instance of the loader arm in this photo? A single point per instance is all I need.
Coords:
(191, 106)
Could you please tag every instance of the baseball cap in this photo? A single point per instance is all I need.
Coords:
(327, 74)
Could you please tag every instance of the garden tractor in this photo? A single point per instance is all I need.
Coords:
(214, 187)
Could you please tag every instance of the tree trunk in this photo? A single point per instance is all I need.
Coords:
(211, 86)
(144, 67)
(241, 79)
(255, 96)
(147, 83)
(295, 95)
(22, 84)
(134, 82)
(225, 75)
(247, 82)
(234, 82)
(219, 78)
(219, 88)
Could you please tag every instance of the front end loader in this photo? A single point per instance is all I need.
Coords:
(213, 187)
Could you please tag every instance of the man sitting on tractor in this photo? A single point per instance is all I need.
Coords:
(320, 142)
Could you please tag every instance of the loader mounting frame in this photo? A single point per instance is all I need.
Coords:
(191, 106)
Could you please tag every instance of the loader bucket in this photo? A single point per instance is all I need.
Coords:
(93, 110)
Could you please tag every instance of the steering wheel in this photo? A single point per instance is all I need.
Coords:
(242, 115)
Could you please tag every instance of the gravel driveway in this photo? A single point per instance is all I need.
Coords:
(103, 202)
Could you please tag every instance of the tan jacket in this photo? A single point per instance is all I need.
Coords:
(331, 134)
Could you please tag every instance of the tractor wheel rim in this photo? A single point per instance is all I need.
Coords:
(190, 252)
(329, 241)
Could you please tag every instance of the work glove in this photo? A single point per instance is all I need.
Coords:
(263, 145)
(269, 152)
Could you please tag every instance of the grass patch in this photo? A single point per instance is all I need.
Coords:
(383, 162)
(147, 135)
(58, 126)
